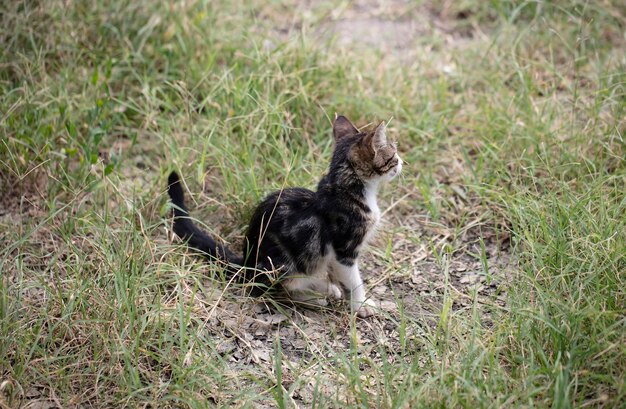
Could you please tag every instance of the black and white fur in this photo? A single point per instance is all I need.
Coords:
(310, 240)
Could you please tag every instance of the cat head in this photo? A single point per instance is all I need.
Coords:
(370, 156)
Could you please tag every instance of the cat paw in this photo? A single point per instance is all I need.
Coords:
(366, 309)
(335, 292)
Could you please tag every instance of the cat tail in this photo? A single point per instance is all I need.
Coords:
(190, 233)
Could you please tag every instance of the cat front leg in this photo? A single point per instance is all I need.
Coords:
(347, 273)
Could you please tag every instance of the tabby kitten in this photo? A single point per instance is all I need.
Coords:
(312, 239)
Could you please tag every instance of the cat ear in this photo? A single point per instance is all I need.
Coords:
(342, 127)
(379, 139)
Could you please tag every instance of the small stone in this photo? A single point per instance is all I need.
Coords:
(274, 319)
(472, 278)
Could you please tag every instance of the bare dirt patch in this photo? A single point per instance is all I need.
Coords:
(398, 27)
(22, 197)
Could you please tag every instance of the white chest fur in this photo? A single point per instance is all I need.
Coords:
(370, 199)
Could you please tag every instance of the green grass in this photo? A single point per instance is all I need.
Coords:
(512, 124)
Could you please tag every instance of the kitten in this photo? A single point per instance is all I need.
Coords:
(312, 239)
